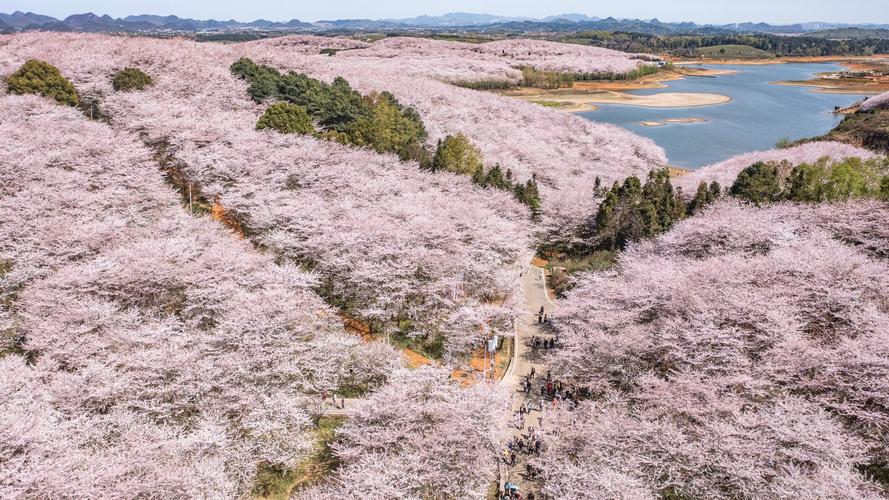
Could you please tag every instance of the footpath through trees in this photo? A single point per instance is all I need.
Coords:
(527, 378)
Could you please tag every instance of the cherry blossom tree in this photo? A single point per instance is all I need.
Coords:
(420, 436)
(876, 102)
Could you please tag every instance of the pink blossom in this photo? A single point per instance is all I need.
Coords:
(738, 355)
(876, 102)
(167, 358)
(418, 437)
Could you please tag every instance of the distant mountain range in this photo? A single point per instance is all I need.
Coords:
(89, 22)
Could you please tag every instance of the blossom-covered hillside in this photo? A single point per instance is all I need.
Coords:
(741, 355)
(391, 243)
(145, 352)
(371, 225)
(565, 152)
(499, 60)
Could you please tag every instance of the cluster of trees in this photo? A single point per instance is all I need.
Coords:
(743, 354)
(420, 436)
(541, 141)
(725, 172)
(688, 45)
(822, 181)
(455, 153)
(377, 121)
(632, 211)
(42, 78)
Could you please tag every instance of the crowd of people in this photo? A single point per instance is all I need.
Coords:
(541, 392)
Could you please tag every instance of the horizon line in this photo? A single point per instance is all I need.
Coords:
(530, 18)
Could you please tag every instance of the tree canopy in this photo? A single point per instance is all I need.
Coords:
(824, 180)
(42, 78)
(376, 121)
(129, 79)
(455, 153)
(759, 183)
(632, 211)
(286, 118)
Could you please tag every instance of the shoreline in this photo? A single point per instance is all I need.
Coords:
(819, 83)
(822, 86)
(884, 58)
(574, 102)
(587, 97)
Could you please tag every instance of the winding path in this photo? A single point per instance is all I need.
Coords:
(525, 358)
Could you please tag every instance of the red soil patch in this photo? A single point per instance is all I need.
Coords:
(218, 212)
(538, 262)
(357, 327)
(477, 365)
(415, 359)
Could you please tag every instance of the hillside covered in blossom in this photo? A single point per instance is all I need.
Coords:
(741, 355)
(275, 268)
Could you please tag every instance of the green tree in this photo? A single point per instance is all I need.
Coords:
(341, 105)
(478, 177)
(496, 179)
(704, 196)
(388, 128)
(129, 79)
(531, 197)
(286, 118)
(38, 77)
(884, 188)
(758, 183)
(827, 180)
(263, 79)
(658, 190)
(457, 154)
(632, 211)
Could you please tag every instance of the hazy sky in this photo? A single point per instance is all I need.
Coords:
(701, 11)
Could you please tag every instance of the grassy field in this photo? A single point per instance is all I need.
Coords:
(733, 52)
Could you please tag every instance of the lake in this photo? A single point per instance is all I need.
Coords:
(758, 116)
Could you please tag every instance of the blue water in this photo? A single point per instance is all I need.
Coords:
(758, 116)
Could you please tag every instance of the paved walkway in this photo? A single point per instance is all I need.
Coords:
(526, 358)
